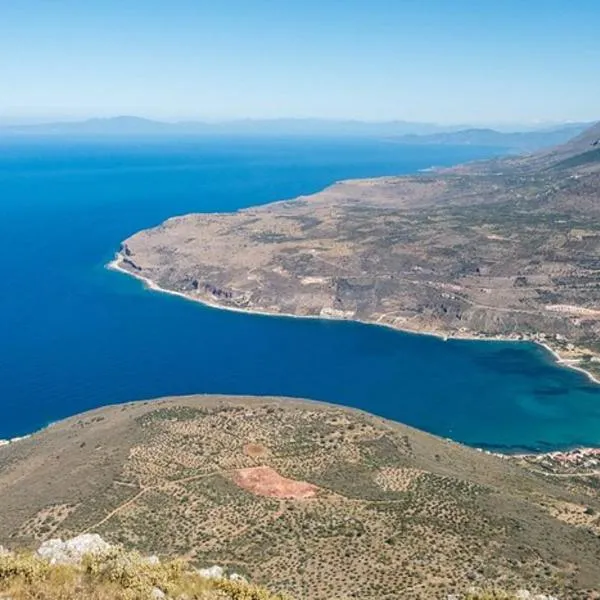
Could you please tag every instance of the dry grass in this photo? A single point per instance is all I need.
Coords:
(123, 575)
(117, 575)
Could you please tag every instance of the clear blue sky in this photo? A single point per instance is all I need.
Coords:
(448, 61)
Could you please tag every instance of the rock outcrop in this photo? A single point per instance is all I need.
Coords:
(72, 551)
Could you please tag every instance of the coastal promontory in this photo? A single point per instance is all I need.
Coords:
(507, 248)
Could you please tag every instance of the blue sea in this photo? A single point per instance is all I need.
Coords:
(75, 336)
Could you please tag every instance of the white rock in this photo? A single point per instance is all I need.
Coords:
(157, 594)
(152, 560)
(4, 551)
(214, 572)
(71, 551)
(238, 577)
(523, 595)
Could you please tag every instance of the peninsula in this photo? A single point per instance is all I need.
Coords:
(500, 249)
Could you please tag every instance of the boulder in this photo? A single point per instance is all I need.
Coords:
(214, 572)
(71, 551)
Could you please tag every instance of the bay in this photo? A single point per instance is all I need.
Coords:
(75, 336)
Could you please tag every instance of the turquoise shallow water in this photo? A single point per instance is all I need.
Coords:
(76, 336)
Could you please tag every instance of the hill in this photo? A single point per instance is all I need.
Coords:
(518, 141)
(87, 568)
(397, 131)
(131, 125)
(305, 498)
(507, 248)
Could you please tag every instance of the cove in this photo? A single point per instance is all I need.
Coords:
(75, 336)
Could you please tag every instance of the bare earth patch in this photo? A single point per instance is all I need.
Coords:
(255, 450)
(265, 481)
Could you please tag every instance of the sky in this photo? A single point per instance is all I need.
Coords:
(443, 61)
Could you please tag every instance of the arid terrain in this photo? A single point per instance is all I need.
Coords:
(504, 248)
(310, 499)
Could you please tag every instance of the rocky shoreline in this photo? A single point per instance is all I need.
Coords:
(563, 357)
(475, 252)
(117, 265)
(14, 440)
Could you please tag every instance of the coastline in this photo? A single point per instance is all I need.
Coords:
(151, 285)
(566, 363)
(14, 440)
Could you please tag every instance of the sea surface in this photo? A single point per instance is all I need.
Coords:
(74, 336)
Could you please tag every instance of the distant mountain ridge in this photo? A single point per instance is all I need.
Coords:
(133, 124)
(518, 140)
(398, 131)
(505, 249)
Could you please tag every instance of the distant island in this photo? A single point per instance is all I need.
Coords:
(500, 249)
(402, 132)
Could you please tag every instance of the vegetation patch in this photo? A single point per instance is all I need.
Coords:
(116, 575)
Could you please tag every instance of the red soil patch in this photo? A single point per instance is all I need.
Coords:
(265, 481)
(255, 450)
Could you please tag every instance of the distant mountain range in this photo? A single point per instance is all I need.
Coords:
(398, 131)
(522, 141)
(126, 125)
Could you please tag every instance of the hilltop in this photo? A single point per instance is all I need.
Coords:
(507, 248)
(310, 499)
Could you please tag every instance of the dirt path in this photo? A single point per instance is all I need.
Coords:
(150, 488)
(589, 474)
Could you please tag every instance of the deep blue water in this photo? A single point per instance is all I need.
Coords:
(76, 336)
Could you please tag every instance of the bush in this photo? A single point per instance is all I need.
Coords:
(115, 575)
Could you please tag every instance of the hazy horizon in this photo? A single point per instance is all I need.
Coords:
(464, 62)
(7, 121)
(499, 125)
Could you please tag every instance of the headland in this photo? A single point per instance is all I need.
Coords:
(507, 249)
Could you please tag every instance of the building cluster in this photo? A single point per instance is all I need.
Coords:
(580, 458)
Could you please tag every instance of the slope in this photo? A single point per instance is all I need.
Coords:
(508, 248)
(310, 499)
